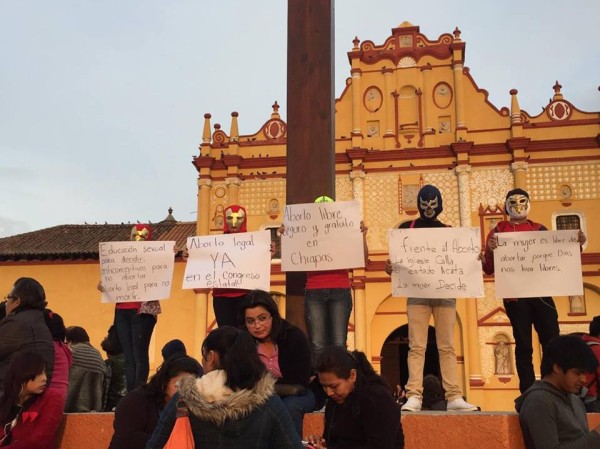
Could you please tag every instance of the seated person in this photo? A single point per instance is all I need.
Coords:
(63, 357)
(361, 412)
(551, 414)
(590, 395)
(173, 347)
(87, 374)
(137, 413)
(284, 350)
(115, 382)
(23, 329)
(30, 413)
(233, 405)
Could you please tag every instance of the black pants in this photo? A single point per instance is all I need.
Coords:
(523, 313)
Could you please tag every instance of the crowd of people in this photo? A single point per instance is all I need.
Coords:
(260, 374)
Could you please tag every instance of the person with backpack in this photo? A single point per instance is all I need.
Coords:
(523, 313)
(590, 391)
(419, 310)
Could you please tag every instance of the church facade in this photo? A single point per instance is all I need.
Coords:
(410, 114)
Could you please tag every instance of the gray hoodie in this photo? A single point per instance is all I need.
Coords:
(553, 419)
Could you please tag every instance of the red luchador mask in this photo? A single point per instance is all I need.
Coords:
(141, 232)
(235, 219)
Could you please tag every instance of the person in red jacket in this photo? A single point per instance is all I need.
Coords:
(590, 395)
(523, 313)
(30, 413)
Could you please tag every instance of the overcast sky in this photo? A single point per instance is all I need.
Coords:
(102, 102)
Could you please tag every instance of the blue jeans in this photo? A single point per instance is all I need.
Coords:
(298, 406)
(326, 314)
(134, 331)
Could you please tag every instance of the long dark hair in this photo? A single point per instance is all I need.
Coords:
(238, 356)
(56, 325)
(263, 299)
(25, 366)
(31, 293)
(339, 361)
(156, 386)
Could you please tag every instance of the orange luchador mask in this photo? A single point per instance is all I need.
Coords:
(141, 232)
(235, 219)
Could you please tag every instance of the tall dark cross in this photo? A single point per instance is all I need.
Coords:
(310, 119)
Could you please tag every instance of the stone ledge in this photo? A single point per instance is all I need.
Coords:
(472, 430)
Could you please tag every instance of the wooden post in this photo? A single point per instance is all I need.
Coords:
(310, 113)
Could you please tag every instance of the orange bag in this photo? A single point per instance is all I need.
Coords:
(181, 435)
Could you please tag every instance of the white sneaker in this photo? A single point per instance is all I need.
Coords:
(413, 404)
(460, 405)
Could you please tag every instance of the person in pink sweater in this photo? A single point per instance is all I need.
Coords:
(63, 357)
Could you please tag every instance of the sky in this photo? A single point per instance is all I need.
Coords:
(102, 103)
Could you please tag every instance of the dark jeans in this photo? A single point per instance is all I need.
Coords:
(523, 313)
(134, 331)
(298, 406)
(227, 309)
(326, 314)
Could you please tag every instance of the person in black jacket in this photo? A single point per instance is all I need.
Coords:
(24, 328)
(137, 413)
(361, 412)
(284, 350)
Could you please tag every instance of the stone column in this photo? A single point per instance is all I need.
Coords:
(202, 228)
(464, 194)
(388, 105)
(358, 274)
(474, 351)
(233, 189)
(427, 99)
(519, 170)
(358, 188)
(461, 124)
(356, 108)
(202, 223)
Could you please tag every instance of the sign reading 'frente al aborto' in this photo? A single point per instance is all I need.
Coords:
(436, 262)
(136, 271)
(538, 263)
(239, 260)
(322, 236)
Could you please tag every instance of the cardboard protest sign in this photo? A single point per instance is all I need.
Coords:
(239, 260)
(322, 236)
(436, 262)
(537, 263)
(136, 271)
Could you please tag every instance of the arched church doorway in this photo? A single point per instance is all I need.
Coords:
(394, 357)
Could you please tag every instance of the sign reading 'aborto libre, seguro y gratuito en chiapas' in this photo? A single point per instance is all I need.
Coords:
(322, 236)
(136, 271)
(436, 262)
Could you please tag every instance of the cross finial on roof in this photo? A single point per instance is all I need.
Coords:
(557, 87)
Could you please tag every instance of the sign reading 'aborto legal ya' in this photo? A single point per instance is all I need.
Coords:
(239, 260)
(436, 262)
